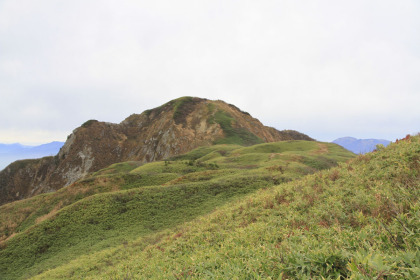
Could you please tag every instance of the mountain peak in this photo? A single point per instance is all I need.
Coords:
(174, 128)
(360, 146)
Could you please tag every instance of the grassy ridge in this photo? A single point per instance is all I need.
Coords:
(358, 221)
(125, 201)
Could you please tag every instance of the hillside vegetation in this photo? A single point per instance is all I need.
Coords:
(172, 129)
(360, 220)
(123, 202)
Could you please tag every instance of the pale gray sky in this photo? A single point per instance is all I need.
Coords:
(325, 68)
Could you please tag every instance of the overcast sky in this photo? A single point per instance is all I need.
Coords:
(325, 68)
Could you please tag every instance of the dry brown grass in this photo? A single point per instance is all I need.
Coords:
(7, 238)
(334, 175)
(50, 214)
(11, 219)
(322, 149)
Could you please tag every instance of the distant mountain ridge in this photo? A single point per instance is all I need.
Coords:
(360, 146)
(174, 128)
(16, 151)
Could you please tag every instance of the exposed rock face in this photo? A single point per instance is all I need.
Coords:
(171, 129)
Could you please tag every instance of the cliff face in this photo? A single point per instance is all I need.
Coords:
(171, 129)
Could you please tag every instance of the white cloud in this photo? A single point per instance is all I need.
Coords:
(326, 68)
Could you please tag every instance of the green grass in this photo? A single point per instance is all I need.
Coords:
(108, 219)
(360, 220)
(201, 152)
(233, 135)
(281, 147)
(118, 168)
(183, 106)
(126, 201)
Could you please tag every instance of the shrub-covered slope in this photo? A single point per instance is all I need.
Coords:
(125, 201)
(357, 221)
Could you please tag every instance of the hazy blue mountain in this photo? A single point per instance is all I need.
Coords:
(12, 148)
(12, 152)
(360, 146)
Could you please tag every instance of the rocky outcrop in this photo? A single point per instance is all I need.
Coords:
(171, 129)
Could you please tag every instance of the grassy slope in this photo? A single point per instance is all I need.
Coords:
(358, 221)
(233, 135)
(128, 200)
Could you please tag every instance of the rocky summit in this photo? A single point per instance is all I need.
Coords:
(171, 129)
